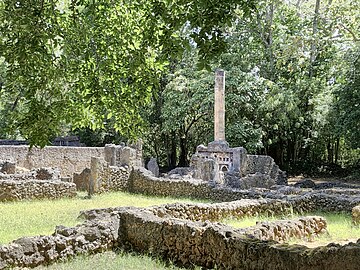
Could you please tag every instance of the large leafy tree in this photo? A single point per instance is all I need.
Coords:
(347, 104)
(85, 61)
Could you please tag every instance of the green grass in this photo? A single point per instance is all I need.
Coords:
(30, 218)
(110, 260)
(339, 227)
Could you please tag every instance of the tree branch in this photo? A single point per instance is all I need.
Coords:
(355, 38)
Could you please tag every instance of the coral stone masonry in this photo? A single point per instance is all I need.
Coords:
(221, 165)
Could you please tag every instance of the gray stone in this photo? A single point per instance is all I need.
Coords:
(7, 167)
(355, 213)
(306, 183)
(82, 180)
(153, 167)
(47, 173)
(181, 171)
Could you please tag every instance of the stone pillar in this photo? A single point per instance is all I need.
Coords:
(219, 108)
(110, 154)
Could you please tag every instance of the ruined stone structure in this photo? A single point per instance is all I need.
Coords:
(39, 183)
(172, 232)
(98, 170)
(68, 160)
(221, 165)
(184, 233)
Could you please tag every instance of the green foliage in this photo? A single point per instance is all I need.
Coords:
(181, 115)
(30, 33)
(85, 62)
(348, 103)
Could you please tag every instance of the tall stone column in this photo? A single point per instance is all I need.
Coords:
(219, 108)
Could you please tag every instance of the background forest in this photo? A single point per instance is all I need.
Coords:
(111, 71)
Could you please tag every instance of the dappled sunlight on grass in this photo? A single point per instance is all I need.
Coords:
(110, 260)
(29, 218)
(339, 227)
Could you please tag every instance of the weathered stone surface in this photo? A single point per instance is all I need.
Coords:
(204, 168)
(218, 211)
(284, 230)
(82, 180)
(180, 172)
(209, 245)
(142, 181)
(108, 178)
(153, 167)
(7, 167)
(355, 213)
(35, 189)
(306, 183)
(47, 173)
(67, 159)
(88, 238)
(163, 231)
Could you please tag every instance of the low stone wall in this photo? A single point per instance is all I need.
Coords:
(104, 178)
(314, 201)
(219, 211)
(214, 245)
(187, 243)
(284, 230)
(141, 181)
(87, 238)
(68, 159)
(11, 190)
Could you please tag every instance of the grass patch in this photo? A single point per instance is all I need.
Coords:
(110, 260)
(39, 217)
(339, 227)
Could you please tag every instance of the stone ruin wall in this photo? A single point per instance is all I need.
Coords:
(105, 178)
(14, 190)
(172, 231)
(209, 245)
(35, 184)
(186, 242)
(64, 161)
(69, 160)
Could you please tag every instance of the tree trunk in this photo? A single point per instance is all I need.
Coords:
(337, 148)
(183, 161)
(313, 49)
(330, 152)
(172, 153)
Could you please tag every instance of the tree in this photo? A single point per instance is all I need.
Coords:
(91, 60)
(348, 103)
(187, 109)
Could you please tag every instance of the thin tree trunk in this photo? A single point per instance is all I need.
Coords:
(183, 162)
(172, 153)
(313, 49)
(330, 152)
(337, 148)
